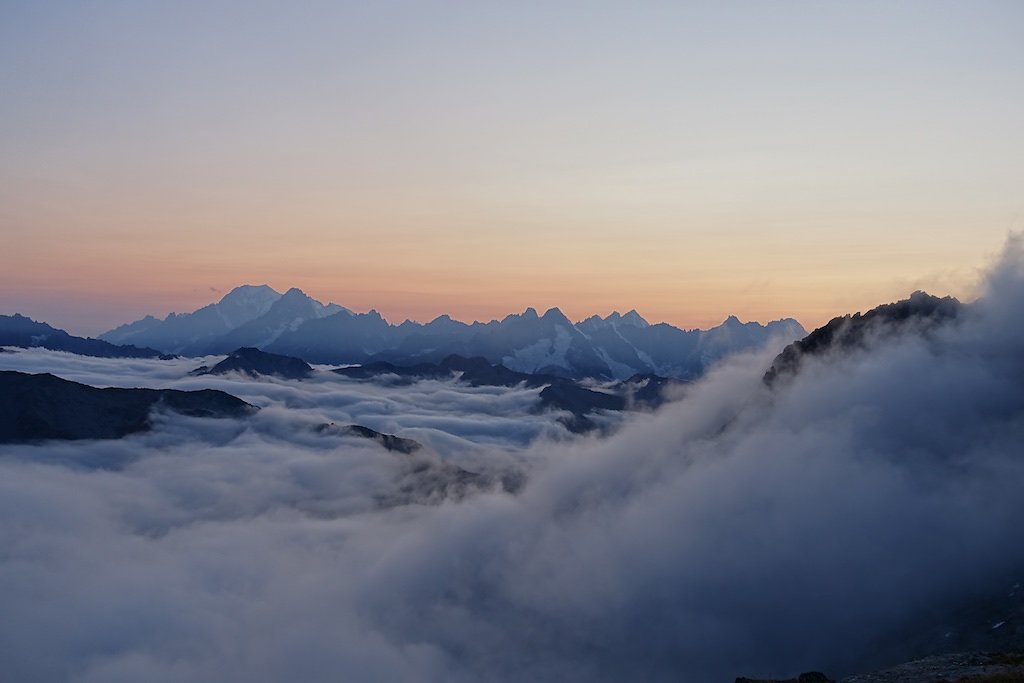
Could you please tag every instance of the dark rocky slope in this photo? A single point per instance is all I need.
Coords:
(919, 314)
(969, 667)
(254, 363)
(388, 441)
(424, 477)
(36, 407)
(17, 330)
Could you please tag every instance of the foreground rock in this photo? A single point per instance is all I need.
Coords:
(254, 363)
(37, 407)
(972, 667)
(968, 667)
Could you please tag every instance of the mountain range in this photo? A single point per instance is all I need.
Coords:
(17, 330)
(614, 347)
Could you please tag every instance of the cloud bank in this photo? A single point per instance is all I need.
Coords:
(741, 530)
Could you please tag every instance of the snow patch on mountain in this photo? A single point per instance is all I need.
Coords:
(245, 303)
(619, 370)
(544, 353)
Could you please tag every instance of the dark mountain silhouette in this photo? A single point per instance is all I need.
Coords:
(615, 347)
(17, 330)
(917, 314)
(473, 371)
(425, 478)
(388, 441)
(254, 362)
(648, 390)
(35, 407)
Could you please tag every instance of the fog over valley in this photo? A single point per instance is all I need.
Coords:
(835, 513)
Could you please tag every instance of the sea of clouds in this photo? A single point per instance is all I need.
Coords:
(742, 530)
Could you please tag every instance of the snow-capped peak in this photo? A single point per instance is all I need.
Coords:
(635, 319)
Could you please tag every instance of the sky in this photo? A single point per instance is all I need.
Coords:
(689, 160)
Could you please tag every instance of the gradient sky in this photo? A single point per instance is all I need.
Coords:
(690, 160)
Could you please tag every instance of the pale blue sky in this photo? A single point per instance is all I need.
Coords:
(689, 160)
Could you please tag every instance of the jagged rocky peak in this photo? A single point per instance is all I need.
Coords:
(732, 321)
(297, 297)
(630, 318)
(296, 293)
(554, 315)
(633, 318)
(529, 314)
(297, 300)
(444, 321)
(920, 313)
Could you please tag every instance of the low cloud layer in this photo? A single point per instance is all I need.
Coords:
(741, 530)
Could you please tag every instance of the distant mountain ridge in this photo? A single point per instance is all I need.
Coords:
(18, 330)
(249, 315)
(615, 347)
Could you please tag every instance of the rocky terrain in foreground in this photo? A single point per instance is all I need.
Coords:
(965, 667)
(971, 667)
